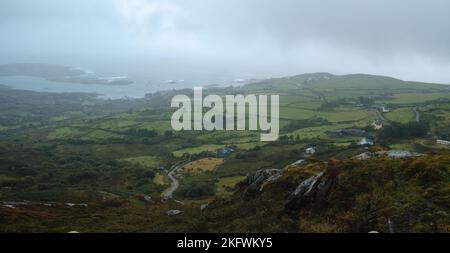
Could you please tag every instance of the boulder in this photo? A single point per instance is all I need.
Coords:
(148, 199)
(390, 153)
(204, 206)
(258, 180)
(173, 212)
(310, 190)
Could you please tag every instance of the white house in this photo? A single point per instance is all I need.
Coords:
(310, 151)
(364, 141)
(385, 109)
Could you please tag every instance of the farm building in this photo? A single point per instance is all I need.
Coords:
(443, 142)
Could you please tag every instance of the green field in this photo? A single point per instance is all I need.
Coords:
(249, 145)
(402, 115)
(203, 165)
(197, 150)
(348, 115)
(295, 113)
(146, 161)
(318, 132)
(414, 98)
(66, 133)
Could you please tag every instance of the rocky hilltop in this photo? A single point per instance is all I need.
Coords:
(384, 193)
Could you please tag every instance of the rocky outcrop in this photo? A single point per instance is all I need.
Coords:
(390, 153)
(256, 182)
(173, 212)
(296, 178)
(204, 206)
(310, 190)
(148, 199)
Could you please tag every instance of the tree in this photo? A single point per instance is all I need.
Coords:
(168, 134)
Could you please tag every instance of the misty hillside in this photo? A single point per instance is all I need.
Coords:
(357, 82)
(356, 153)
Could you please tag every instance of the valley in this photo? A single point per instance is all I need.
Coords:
(124, 168)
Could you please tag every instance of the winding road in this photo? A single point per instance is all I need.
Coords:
(168, 193)
(416, 113)
(379, 115)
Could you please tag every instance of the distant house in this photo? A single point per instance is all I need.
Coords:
(365, 142)
(443, 142)
(310, 151)
(225, 151)
(385, 109)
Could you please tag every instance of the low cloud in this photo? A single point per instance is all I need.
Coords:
(405, 39)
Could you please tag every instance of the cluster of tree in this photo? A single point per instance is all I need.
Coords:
(402, 131)
(143, 133)
(203, 154)
(79, 177)
(330, 105)
(198, 190)
(367, 101)
(35, 172)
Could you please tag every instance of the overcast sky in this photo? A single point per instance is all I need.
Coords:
(401, 38)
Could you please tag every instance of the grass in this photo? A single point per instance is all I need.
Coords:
(159, 179)
(249, 145)
(341, 114)
(288, 100)
(97, 135)
(346, 115)
(228, 137)
(117, 124)
(203, 165)
(295, 113)
(305, 105)
(413, 98)
(318, 132)
(65, 133)
(197, 150)
(58, 118)
(408, 146)
(146, 161)
(160, 126)
(402, 115)
(226, 184)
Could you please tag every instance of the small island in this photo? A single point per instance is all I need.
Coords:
(57, 73)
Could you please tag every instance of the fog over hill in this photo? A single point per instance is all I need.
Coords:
(209, 41)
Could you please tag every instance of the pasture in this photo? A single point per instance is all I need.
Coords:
(203, 165)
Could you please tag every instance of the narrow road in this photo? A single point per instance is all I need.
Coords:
(416, 113)
(167, 194)
(379, 115)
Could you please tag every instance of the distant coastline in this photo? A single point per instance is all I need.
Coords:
(57, 73)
